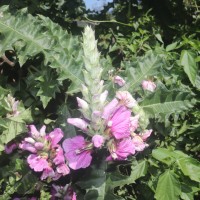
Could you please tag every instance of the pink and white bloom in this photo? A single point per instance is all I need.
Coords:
(119, 123)
(77, 152)
(63, 169)
(139, 140)
(138, 143)
(35, 133)
(119, 80)
(110, 108)
(146, 134)
(148, 85)
(120, 150)
(98, 140)
(79, 123)
(134, 123)
(126, 99)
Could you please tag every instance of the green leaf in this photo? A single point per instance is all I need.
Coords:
(12, 126)
(190, 167)
(190, 66)
(168, 187)
(48, 85)
(61, 50)
(66, 56)
(18, 28)
(68, 129)
(171, 47)
(158, 36)
(100, 184)
(163, 102)
(137, 171)
(142, 68)
(168, 156)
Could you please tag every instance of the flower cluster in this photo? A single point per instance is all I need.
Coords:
(46, 154)
(119, 126)
(120, 133)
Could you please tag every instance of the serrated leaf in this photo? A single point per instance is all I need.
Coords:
(168, 187)
(141, 69)
(18, 28)
(190, 66)
(163, 103)
(67, 55)
(60, 49)
(12, 126)
(190, 167)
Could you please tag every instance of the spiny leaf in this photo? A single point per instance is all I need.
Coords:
(67, 54)
(17, 32)
(163, 103)
(141, 69)
(168, 187)
(61, 50)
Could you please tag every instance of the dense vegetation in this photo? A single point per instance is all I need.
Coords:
(44, 63)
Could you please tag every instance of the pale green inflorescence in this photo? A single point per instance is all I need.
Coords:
(92, 90)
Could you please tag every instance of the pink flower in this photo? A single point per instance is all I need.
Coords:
(27, 146)
(10, 147)
(37, 163)
(138, 143)
(59, 157)
(79, 123)
(126, 99)
(110, 108)
(119, 80)
(39, 145)
(55, 136)
(98, 140)
(138, 140)
(120, 123)
(47, 172)
(63, 169)
(148, 85)
(146, 134)
(134, 123)
(120, 150)
(35, 133)
(77, 152)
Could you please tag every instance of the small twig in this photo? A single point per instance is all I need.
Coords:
(6, 60)
(108, 21)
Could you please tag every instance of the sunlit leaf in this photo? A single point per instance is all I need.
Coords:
(190, 66)
(168, 187)
(190, 167)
